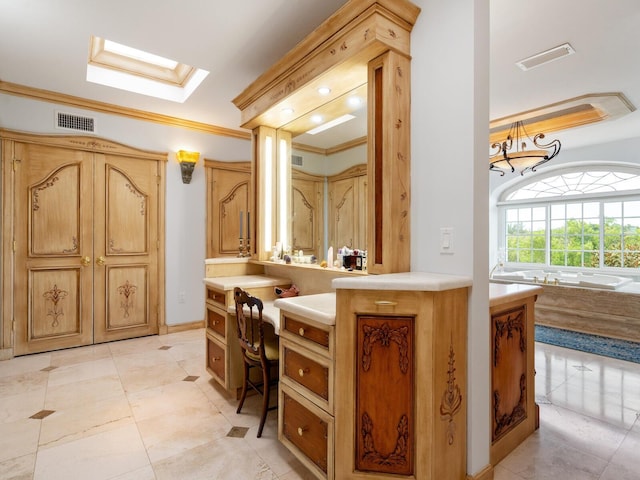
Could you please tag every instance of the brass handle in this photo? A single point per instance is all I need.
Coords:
(216, 359)
(302, 371)
(301, 332)
(85, 261)
(385, 303)
(100, 261)
(301, 430)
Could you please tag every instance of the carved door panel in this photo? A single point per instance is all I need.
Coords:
(53, 225)
(342, 202)
(385, 421)
(125, 247)
(227, 195)
(86, 247)
(306, 216)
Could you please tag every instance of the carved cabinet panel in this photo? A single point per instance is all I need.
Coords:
(307, 199)
(348, 209)
(384, 405)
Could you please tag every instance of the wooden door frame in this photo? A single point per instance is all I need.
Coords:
(72, 142)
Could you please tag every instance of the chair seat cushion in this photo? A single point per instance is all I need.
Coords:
(271, 346)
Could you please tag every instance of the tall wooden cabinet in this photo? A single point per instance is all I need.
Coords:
(228, 194)
(347, 216)
(83, 241)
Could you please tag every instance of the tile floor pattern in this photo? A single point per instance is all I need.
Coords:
(146, 409)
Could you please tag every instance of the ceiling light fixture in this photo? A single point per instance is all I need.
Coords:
(331, 124)
(324, 90)
(545, 57)
(513, 154)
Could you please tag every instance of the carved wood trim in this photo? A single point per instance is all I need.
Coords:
(515, 322)
(384, 336)
(126, 291)
(451, 401)
(399, 454)
(54, 297)
(504, 422)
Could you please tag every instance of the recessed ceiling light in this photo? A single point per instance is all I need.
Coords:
(287, 111)
(354, 101)
(316, 118)
(545, 57)
(324, 90)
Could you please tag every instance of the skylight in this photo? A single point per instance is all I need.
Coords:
(119, 66)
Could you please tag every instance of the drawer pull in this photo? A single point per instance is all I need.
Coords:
(301, 332)
(216, 322)
(302, 371)
(216, 359)
(301, 430)
(385, 303)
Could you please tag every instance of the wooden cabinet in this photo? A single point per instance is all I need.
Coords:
(347, 216)
(307, 207)
(223, 355)
(305, 415)
(400, 389)
(228, 194)
(514, 414)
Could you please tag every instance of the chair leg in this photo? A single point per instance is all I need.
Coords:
(266, 380)
(245, 382)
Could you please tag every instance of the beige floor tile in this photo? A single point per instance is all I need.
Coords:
(233, 459)
(20, 468)
(23, 383)
(628, 455)
(21, 406)
(96, 457)
(72, 356)
(152, 402)
(82, 371)
(85, 392)
(137, 345)
(28, 363)
(18, 439)
(79, 421)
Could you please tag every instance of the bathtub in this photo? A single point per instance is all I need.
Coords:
(578, 279)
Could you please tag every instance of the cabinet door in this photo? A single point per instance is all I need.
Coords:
(228, 190)
(306, 216)
(342, 203)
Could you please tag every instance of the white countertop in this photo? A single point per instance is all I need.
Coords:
(214, 261)
(501, 293)
(320, 307)
(245, 281)
(270, 314)
(417, 281)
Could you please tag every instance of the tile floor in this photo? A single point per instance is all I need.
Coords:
(145, 409)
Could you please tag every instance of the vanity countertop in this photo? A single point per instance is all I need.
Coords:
(244, 281)
(416, 281)
(503, 293)
(320, 307)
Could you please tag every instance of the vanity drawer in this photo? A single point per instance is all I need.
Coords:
(216, 360)
(306, 331)
(308, 432)
(216, 322)
(217, 298)
(306, 372)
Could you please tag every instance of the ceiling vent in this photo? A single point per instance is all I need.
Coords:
(296, 160)
(546, 57)
(77, 123)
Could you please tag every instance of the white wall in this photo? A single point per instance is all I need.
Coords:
(185, 213)
(450, 184)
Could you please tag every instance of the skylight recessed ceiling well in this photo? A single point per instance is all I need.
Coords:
(119, 66)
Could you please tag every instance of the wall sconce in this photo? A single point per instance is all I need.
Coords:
(187, 162)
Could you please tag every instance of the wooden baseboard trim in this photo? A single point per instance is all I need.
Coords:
(181, 327)
(485, 474)
(6, 353)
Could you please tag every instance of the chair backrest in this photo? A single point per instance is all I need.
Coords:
(249, 321)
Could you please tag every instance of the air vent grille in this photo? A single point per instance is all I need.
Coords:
(546, 57)
(296, 160)
(74, 122)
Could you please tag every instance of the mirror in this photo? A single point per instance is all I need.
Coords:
(328, 179)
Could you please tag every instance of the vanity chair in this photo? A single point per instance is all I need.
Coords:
(259, 345)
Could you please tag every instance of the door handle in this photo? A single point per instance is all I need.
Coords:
(85, 261)
(100, 261)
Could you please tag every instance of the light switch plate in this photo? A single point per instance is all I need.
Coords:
(446, 240)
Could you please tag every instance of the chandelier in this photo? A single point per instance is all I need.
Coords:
(515, 153)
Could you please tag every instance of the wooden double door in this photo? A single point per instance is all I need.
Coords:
(87, 243)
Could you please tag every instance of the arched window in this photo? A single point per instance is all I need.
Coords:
(578, 219)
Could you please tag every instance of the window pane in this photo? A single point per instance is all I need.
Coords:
(540, 213)
(574, 210)
(613, 209)
(557, 211)
(538, 256)
(632, 209)
(591, 210)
